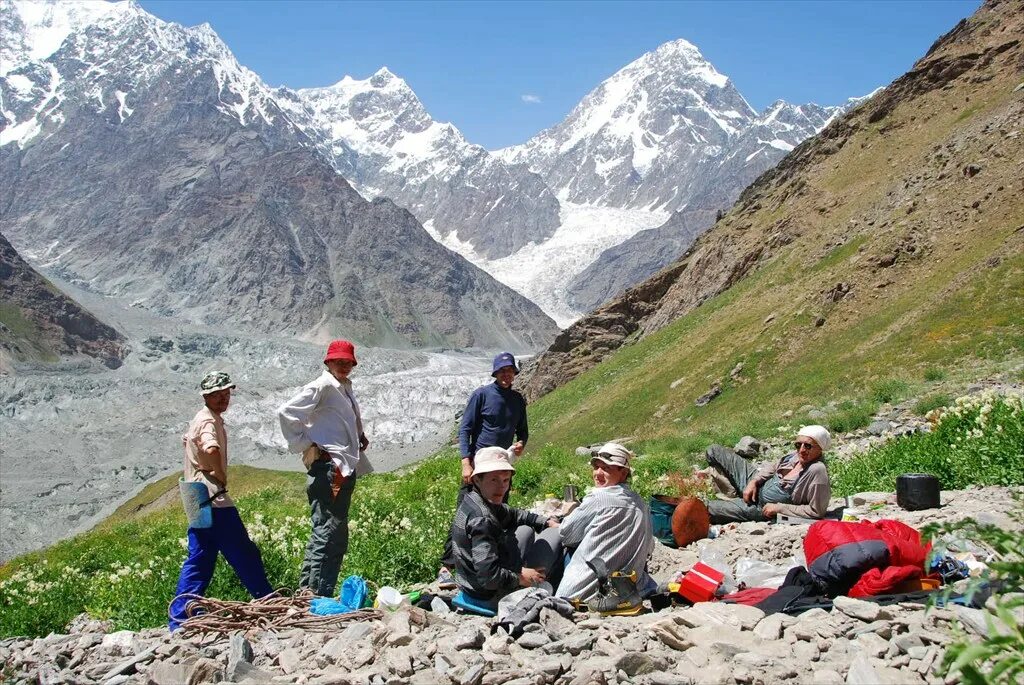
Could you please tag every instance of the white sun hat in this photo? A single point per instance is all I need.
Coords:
(491, 459)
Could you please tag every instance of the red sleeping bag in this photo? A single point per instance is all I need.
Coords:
(864, 558)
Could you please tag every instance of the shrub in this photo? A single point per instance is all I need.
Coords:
(890, 391)
(930, 402)
(979, 440)
(850, 416)
(932, 374)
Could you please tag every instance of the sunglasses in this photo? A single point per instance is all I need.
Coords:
(800, 445)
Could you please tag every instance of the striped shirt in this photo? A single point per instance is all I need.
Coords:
(611, 524)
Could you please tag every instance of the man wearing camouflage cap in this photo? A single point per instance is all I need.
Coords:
(206, 461)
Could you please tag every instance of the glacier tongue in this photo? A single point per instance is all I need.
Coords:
(541, 271)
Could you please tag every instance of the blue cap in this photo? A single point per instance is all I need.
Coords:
(502, 360)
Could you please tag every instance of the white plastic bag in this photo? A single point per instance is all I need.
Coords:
(716, 560)
(757, 573)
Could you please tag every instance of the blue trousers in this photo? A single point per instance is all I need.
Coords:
(228, 537)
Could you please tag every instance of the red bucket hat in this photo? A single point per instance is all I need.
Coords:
(341, 349)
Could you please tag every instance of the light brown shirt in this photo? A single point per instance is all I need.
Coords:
(206, 430)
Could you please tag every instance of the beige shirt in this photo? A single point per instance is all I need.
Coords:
(206, 430)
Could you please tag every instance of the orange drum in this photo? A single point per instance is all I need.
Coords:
(690, 521)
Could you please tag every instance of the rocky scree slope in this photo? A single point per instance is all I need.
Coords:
(919, 185)
(142, 162)
(855, 642)
(40, 323)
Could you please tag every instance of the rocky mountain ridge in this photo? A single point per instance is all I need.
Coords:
(381, 139)
(186, 189)
(40, 323)
(666, 133)
(896, 181)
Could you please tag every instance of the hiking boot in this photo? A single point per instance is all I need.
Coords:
(619, 598)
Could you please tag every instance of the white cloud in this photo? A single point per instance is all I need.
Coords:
(530, 99)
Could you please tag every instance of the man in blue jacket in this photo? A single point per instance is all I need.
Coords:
(495, 416)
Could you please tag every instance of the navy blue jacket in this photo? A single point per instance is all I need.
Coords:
(493, 417)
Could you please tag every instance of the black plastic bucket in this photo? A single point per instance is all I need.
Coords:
(916, 491)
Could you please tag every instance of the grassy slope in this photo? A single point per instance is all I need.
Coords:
(951, 309)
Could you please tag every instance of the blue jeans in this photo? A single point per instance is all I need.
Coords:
(228, 536)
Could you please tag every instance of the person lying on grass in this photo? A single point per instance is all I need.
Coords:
(498, 548)
(796, 485)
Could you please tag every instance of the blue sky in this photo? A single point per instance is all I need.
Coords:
(472, 63)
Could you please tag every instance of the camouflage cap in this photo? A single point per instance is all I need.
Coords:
(214, 381)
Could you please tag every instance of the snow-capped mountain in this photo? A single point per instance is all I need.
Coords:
(645, 136)
(379, 136)
(140, 160)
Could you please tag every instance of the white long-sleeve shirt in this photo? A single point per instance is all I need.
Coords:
(611, 524)
(324, 412)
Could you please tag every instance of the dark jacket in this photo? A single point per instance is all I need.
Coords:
(494, 417)
(487, 559)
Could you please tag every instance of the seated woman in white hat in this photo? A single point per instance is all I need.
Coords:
(611, 525)
(498, 548)
(796, 485)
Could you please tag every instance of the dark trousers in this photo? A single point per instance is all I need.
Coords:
(739, 471)
(227, 536)
(328, 539)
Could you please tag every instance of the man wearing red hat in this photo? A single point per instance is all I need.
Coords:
(323, 422)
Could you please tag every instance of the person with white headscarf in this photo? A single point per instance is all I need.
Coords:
(796, 485)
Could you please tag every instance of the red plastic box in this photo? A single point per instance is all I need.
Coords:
(700, 583)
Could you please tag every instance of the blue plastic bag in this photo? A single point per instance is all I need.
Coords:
(353, 595)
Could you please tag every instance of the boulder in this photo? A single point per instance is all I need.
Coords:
(859, 609)
(748, 447)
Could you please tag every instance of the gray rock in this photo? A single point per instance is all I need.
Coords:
(827, 676)
(905, 642)
(862, 672)
(817, 415)
(577, 643)
(239, 651)
(635, 663)
(205, 671)
(663, 678)
(748, 447)
(859, 609)
(244, 672)
(468, 638)
(589, 675)
(975, 620)
(399, 661)
(769, 627)
(357, 631)
(533, 640)
(878, 427)
(737, 616)
(167, 673)
(128, 665)
(881, 628)
(871, 644)
(289, 660)
(474, 675)
(556, 625)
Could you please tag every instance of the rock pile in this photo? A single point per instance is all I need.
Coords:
(857, 642)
